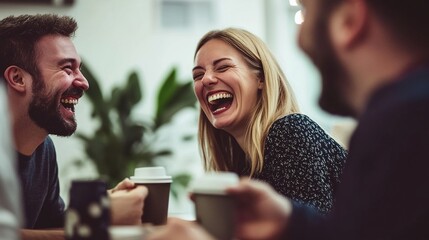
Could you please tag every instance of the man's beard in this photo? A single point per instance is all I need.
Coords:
(334, 80)
(333, 97)
(44, 110)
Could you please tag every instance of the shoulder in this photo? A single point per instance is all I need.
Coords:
(47, 145)
(295, 120)
(289, 132)
(48, 142)
(46, 151)
(299, 132)
(294, 125)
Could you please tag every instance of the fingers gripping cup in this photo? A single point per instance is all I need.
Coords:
(155, 208)
(213, 207)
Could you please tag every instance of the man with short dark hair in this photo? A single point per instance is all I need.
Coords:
(373, 56)
(41, 69)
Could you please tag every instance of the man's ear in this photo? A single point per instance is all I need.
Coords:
(15, 78)
(349, 23)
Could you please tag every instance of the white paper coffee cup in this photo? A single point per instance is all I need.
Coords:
(213, 207)
(155, 210)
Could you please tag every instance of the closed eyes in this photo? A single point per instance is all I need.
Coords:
(68, 69)
(223, 68)
(198, 76)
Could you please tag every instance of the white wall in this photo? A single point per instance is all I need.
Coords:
(118, 36)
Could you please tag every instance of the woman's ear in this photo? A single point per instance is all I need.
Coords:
(260, 84)
(261, 80)
(15, 76)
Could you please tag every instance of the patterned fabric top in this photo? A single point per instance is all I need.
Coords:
(302, 162)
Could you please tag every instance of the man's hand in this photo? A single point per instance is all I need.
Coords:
(126, 184)
(178, 229)
(44, 234)
(127, 201)
(261, 212)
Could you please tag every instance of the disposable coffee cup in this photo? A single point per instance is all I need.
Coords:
(155, 210)
(213, 207)
(88, 213)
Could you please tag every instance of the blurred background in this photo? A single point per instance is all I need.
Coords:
(140, 54)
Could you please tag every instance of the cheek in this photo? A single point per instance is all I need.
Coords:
(198, 91)
(48, 92)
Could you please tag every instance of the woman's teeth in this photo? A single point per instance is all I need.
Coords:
(212, 98)
(219, 101)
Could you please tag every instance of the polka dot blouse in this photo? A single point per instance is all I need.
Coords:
(302, 162)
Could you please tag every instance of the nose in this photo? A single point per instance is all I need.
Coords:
(81, 82)
(209, 79)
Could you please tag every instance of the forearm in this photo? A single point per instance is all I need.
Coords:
(45, 234)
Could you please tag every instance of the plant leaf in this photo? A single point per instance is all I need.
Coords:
(133, 89)
(182, 97)
(166, 91)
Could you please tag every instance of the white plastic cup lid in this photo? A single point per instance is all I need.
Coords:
(126, 232)
(214, 183)
(150, 175)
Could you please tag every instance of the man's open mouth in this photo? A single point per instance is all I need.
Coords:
(69, 102)
(219, 101)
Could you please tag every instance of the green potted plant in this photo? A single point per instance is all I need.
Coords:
(118, 145)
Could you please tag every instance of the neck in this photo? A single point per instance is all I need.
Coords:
(239, 136)
(388, 73)
(28, 136)
(377, 63)
(240, 141)
(27, 139)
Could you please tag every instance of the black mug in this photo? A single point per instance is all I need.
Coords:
(88, 213)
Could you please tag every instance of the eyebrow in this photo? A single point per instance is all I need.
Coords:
(214, 63)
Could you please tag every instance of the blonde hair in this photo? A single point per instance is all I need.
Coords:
(220, 151)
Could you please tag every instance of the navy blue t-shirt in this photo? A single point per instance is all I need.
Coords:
(43, 205)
